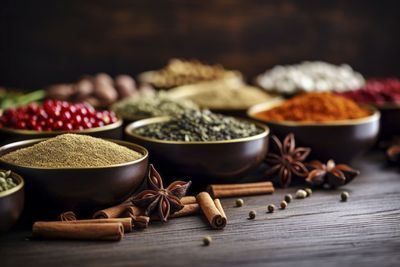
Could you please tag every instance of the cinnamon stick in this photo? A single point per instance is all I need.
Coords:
(188, 209)
(140, 221)
(78, 231)
(133, 210)
(126, 222)
(67, 216)
(217, 203)
(112, 212)
(188, 200)
(214, 216)
(246, 189)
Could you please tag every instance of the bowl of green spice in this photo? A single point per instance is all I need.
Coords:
(11, 198)
(202, 144)
(76, 172)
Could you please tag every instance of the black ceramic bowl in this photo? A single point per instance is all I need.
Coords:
(338, 140)
(390, 121)
(79, 188)
(227, 160)
(11, 203)
(111, 131)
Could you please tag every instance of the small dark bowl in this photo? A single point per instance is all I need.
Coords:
(79, 188)
(11, 204)
(338, 140)
(390, 118)
(227, 160)
(110, 131)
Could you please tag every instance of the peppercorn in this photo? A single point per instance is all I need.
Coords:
(252, 214)
(271, 208)
(288, 198)
(283, 204)
(239, 202)
(344, 196)
(301, 193)
(207, 240)
(308, 191)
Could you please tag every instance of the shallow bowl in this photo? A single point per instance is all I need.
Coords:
(111, 131)
(227, 160)
(11, 203)
(339, 140)
(79, 188)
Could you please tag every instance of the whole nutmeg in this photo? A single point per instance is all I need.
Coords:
(125, 86)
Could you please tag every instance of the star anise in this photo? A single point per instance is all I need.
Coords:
(157, 199)
(329, 175)
(285, 160)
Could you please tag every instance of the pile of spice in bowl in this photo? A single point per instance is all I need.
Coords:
(308, 76)
(151, 105)
(202, 145)
(314, 107)
(377, 92)
(55, 115)
(200, 126)
(222, 95)
(180, 72)
(71, 151)
(334, 126)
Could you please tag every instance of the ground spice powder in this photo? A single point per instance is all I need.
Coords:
(315, 107)
(72, 151)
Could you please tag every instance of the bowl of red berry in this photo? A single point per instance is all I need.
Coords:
(54, 117)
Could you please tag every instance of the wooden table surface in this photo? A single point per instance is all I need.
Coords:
(320, 230)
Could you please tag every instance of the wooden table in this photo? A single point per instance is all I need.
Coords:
(320, 230)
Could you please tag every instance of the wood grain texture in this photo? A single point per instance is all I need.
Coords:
(320, 230)
(58, 41)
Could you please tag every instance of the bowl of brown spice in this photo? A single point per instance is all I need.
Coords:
(202, 145)
(332, 126)
(11, 198)
(76, 172)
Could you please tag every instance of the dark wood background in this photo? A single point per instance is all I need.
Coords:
(45, 42)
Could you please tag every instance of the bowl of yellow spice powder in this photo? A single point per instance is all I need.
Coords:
(331, 125)
(76, 172)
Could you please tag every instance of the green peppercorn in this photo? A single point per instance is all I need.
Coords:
(271, 208)
(207, 240)
(308, 191)
(288, 198)
(344, 196)
(301, 193)
(252, 214)
(239, 202)
(283, 204)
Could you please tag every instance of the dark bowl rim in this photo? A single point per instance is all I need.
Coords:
(375, 115)
(107, 127)
(15, 189)
(140, 123)
(140, 148)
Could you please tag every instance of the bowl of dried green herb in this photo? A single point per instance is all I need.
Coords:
(202, 144)
(11, 198)
(76, 172)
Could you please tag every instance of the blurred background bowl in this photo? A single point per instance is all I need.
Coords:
(214, 160)
(390, 121)
(110, 131)
(338, 140)
(11, 203)
(61, 189)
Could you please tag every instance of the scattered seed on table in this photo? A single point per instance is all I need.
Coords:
(239, 202)
(207, 240)
(252, 214)
(344, 196)
(283, 204)
(301, 193)
(271, 208)
(308, 191)
(288, 198)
